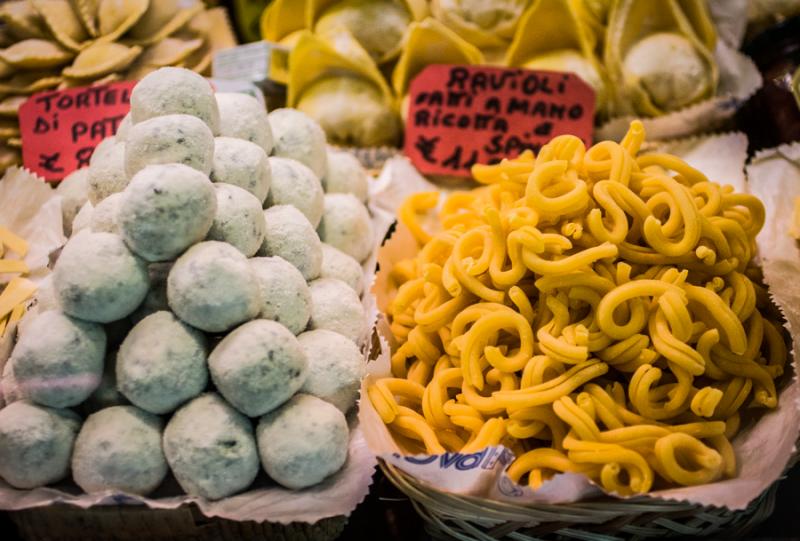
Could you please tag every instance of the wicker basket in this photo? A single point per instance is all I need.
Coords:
(452, 516)
(135, 523)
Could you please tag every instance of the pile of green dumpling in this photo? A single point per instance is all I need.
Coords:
(205, 313)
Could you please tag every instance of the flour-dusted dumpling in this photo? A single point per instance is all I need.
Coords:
(335, 367)
(104, 216)
(335, 306)
(166, 209)
(169, 91)
(10, 391)
(346, 225)
(156, 298)
(302, 442)
(46, 298)
(97, 278)
(119, 449)
(258, 366)
(74, 192)
(239, 220)
(337, 264)
(83, 219)
(162, 363)
(211, 449)
(124, 127)
(295, 184)
(35, 444)
(212, 287)
(107, 174)
(297, 136)
(285, 297)
(290, 235)
(169, 139)
(58, 360)
(345, 174)
(243, 117)
(102, 149)
(242, 164)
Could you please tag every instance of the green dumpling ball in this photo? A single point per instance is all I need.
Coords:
(35, 444)
(211, 449)
(119, 449)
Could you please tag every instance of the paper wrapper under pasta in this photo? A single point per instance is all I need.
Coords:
(738, 80)
(763, 450)
(30, 208)
(264, 502)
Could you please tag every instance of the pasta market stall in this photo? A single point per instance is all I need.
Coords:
(509, 270)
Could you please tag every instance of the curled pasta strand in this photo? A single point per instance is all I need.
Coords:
(707, 462)
(477, 344)
(382, 395)
(705, 401)
(634, 138)
(409, 211)
(534, 463)
(645, 397)
(571, 197)
(628, 292)
(489, 435)
(570, 263)
(553, 389)
(667, 161)
(414, 426)
(653, 232)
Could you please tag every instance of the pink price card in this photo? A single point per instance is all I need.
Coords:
(61, 128)
(462, 115)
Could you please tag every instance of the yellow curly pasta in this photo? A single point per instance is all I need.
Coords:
(594, 310)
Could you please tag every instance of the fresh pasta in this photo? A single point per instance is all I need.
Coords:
(595, 310)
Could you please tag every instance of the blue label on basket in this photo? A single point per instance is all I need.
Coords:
(508, 487)
(486, 459)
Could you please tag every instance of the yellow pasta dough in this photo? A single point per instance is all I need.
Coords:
(595, 310)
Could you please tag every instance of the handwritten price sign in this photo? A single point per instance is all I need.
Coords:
(462, 115)
(60, 129)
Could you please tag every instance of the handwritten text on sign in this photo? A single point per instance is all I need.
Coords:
(462, 115)
(61, 128)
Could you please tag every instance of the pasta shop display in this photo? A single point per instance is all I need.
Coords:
(595, 310)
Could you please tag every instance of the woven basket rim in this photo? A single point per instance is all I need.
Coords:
(603, 507)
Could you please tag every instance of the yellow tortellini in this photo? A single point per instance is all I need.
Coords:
(596, 310)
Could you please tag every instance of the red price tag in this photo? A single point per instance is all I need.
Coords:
(462, 115)
(61, 128)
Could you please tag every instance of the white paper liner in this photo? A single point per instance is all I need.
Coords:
(730, 19)
(338, 495)
(30, 208)
(738, 80)
(763, 450)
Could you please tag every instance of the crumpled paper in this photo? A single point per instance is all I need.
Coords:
(265, 501)
(30, 208)
(763, 450)
(730, 18)
(738, 80)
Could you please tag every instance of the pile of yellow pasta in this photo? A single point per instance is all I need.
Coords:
(14, 296)
(595, 310)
